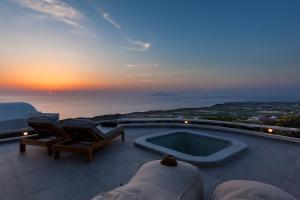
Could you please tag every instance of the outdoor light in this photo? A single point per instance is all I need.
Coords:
(25, 133)
(270, 130)
(186, 122)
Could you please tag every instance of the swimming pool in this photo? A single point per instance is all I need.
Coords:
(195, 147)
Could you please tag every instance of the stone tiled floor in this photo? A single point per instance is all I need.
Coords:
(34, 175)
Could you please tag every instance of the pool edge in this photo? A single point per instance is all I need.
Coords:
(221, 157)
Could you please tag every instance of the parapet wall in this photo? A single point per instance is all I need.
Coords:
(17, 110)
(14, 116)
(283, 133)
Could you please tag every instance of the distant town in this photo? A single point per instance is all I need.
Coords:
(286, 114)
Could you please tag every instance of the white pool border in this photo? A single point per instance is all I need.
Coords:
(237, 147)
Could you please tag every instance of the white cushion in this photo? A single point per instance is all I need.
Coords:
(159, 182)
(249, 190)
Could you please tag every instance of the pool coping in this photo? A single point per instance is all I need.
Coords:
(220, 157)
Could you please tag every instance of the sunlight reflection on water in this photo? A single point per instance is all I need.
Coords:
(88, 106)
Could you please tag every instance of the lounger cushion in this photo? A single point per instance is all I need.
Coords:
(46, 124)
(159, 182)
(42, 120)
(89, 130)
(249, 190)
(109, 130)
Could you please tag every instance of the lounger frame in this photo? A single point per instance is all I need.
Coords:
(41, 140)
(85, 147)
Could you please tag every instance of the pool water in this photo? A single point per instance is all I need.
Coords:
(190, 143)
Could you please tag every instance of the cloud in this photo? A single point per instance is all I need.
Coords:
(108, 18)
(140, 46)
(137, 45)
(56, 9)
(142, 65)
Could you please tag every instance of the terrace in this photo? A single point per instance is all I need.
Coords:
(34, 175)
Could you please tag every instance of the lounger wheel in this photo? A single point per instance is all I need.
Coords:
(22, 148)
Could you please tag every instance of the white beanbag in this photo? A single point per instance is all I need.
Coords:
(249, 190)
(159, 182)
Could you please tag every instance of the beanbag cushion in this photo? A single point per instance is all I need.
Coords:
(159, 182)
(249, 190)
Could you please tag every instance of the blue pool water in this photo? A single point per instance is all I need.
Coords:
(190, 143)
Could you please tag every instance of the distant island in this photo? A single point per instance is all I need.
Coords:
(163, 94)
(285, 114)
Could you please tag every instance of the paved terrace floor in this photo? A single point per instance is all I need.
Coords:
(34, 175)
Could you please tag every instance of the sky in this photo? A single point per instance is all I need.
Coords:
(64, 45)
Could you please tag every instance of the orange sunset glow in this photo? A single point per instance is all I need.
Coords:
(78, 48)
(49, 78)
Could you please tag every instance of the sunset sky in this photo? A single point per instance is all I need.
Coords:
(55, 45)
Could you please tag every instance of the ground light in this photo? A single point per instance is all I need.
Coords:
(270, 130)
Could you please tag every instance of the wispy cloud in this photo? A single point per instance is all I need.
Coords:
(137, 45)
(56, 9)
(142, 65)
(108, 18)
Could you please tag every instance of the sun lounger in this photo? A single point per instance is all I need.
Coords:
(86, 137)
(248, 190)
(47, 132)
(156, 181)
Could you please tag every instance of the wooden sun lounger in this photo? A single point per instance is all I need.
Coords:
(46, 134)
(85, 138)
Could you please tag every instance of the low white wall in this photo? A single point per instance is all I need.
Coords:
(16, 110)
(215, 125)
(14, 116)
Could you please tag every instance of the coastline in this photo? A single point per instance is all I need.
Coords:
(262, 113)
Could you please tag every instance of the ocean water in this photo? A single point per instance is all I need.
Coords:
(92, 105)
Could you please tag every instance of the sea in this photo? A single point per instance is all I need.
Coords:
(75, 105)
